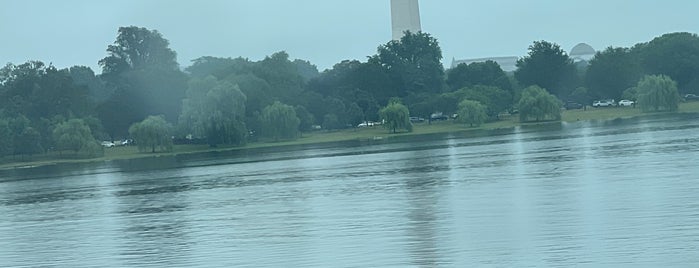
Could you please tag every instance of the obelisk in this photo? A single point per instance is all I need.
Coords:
(405, 16)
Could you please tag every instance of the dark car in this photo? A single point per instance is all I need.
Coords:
(438, 117)
(572, 105)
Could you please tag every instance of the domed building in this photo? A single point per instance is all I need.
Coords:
(582, 52)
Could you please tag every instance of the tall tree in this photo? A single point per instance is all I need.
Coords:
(547, 66)
(413, 63)
(612, 71)
(675, 55)
(137, 48)
(486, 73)
(74, 135)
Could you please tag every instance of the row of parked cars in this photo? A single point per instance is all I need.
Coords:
(110, 144)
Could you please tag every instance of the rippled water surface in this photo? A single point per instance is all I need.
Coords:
(612, 193)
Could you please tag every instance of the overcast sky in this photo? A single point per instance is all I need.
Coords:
(77, 32)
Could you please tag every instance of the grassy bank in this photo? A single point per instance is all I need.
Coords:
(371, 133)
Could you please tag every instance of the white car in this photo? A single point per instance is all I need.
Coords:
(603, 103)
(626, 103)
(108, 144)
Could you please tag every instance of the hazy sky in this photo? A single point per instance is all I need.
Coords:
(77, 32)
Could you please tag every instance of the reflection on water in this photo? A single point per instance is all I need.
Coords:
(608, 193)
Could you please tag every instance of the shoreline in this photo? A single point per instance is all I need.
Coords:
(357, 134)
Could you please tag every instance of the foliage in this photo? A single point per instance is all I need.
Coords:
(331, 122)
(28, 142)
(495, 100)
(7, 140)
(396, 116)
(306, 119)
(280, 121)
(538, 105)
(215, 110)
(73, 135)
(472, 113)
(613, 71)
(675, 55)
(546, 66)
(137, 48)
(580, 95)
(630, 94)
(486, 73)
(152, 133)
(413, 63)
(657, 93)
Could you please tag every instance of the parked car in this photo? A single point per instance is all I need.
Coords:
(572, 105)
(415, 119)
(626, 103)
(108, 144)
(604, 103)
(691, 97)
(438, 117)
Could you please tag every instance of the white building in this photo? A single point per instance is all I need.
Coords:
(507, 64)
(405, 16)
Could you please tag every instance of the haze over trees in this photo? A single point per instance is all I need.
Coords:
(231, 101)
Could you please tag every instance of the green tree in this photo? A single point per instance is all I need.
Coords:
(538, 105)
(331, 122)
(7, 140)
(413, 63)
(675, 55)
(152, 133)
(74, 135)
(396, 116)
(306, 118)
(613, 71)
(580, 95)
(215, 110)
(494, 99)
(547, 66)
(28, 142)
(280, 121)
(472, 113)
(657, 93)
(138, 48)
(486, 73)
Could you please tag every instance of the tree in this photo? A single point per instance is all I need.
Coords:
(580, 95)
(495, 100)
(413, 63)
(546, 66)
(486, 73)
(74, 135)
(472, 113)
(143, 73)
(331, 122)
(28, 142)
(152, 133)
(7, 140)
(613, 71)
(537, 105)
(675, 55)
(396, 116)
(657, 93)
(138, 48)
(280, 121)
(215, 110)
(306, 118)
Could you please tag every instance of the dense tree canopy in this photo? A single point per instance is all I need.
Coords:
(486, 73)
(675, 55)
(472, 113)
(613, 71)
(280, 121)
(547, 66)
(137, 48)
(413, 63)
(74, 135)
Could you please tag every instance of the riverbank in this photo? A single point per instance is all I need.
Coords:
(370, 133)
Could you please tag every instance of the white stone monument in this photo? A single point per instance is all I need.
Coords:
(405, 16)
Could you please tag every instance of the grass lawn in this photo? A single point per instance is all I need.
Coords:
(368, 133)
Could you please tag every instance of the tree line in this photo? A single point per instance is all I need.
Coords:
(143, 94)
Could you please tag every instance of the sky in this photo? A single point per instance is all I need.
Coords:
(325, 32)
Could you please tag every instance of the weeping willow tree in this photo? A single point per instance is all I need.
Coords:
(657, 93)
(537, 105)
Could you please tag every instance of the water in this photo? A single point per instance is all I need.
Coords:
(612, 193)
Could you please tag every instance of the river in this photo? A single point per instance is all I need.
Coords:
(600, 193)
